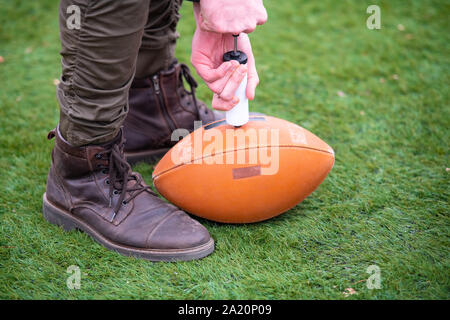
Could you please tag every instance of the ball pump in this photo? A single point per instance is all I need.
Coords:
(238, 115)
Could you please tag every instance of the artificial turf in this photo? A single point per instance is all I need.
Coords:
(379, 97)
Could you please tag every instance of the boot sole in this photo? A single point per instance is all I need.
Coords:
(150, 156)
(68, 222)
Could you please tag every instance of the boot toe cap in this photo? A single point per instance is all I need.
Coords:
(178, 231)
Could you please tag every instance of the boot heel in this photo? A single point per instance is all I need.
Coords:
(54, 216)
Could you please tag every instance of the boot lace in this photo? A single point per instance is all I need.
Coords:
(186, 73)
(120, 175)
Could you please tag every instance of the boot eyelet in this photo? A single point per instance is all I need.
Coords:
(104, 171)
(115, 192)
(107, 181)
(124, 203)
(98, 155)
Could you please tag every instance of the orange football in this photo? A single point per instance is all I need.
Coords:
(246, 174)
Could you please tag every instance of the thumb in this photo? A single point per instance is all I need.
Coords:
(252, 78)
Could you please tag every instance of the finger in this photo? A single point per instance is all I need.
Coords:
(250, 28)
(233, 83)
(224, 105)
(262, 18)
(209, 74)
(218, 85)
(252, 83)
(252, 78)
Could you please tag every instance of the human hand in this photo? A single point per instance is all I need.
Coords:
(230, 16)
(223, 78)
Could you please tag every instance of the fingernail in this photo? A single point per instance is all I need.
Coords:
(235, 100)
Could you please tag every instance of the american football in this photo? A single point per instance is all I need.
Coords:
(243, 174)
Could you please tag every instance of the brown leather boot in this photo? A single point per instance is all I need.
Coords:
(92, 188)
(159, 104)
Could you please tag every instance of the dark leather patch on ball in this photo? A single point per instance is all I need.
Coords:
(247, 172)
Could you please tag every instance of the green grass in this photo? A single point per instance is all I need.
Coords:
(385, 201)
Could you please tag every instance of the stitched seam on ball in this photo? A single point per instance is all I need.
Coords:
(225, 152)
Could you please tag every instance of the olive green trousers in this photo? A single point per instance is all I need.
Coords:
(105, 44)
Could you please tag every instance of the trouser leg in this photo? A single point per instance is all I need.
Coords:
(98, 66)
(159, 100)
(157, 51)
